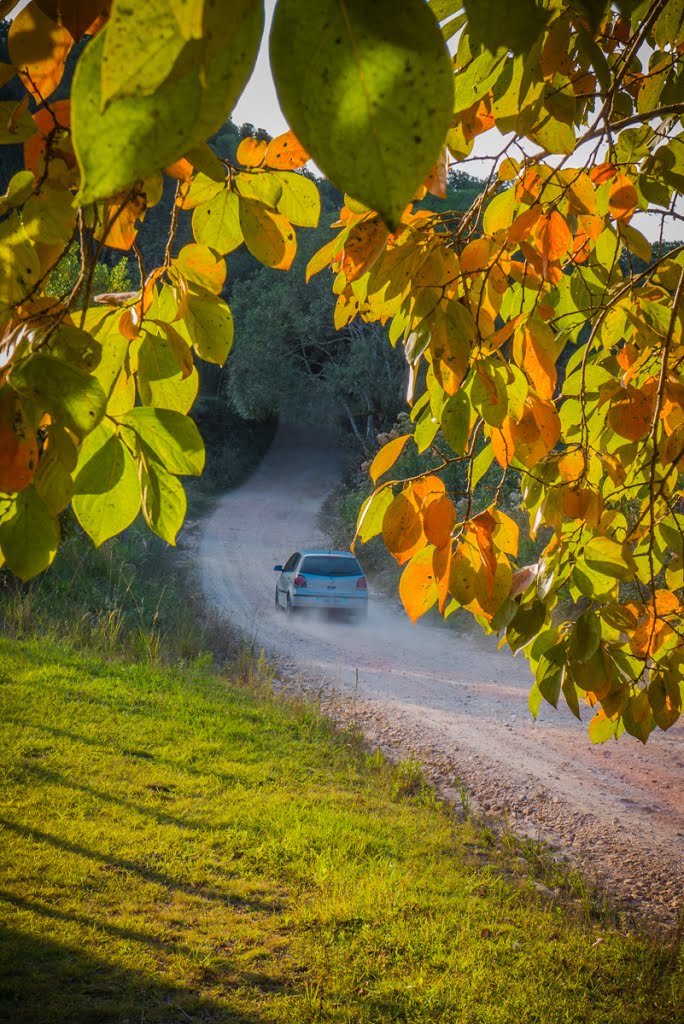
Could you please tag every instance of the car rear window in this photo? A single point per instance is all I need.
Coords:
(330, 565)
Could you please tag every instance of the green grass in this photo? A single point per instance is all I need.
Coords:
(175, 848)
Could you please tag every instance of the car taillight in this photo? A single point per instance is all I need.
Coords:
(361, 583)
(299, 580)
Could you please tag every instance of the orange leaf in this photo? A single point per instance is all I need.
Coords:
(631, 416)
(666, 602)
(582, 503)
(438, 521)
(477, 119)
(39, 47)
(251, 152)
(365, 243)
(553, 236)
(123, 230)
(475, 257)
(424, 490)
(524, 223)
(53, 121)
(571, 465)
(623, 198)
(483, 527)
(387, 456)
(18, 447)
(536, 433)
(602, 172)
(181, 170)
(129, 323)
(402, 529)
(436, 180)
(285, 153)
(418, 585)
(80, 17)
(538, 357)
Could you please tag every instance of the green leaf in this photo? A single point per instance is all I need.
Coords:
(49, 217)
(608, 558)
(160, 380)
(135, 136)
(455, 422)
(141, 69)
(526, 624)
(173, 437)
(481, 464)
(29, 536)
(264, 186)
(67, 393)
(299, 199)
(511, 24)
(601, 728)
(14, 131)
(373, 512)
(534, 700)
(106, 486)
(585, 636)
(216, 223)
(20, 187)
(368, 91)
(550, 672)
(163, 500)
(19, 264)
(209, 325)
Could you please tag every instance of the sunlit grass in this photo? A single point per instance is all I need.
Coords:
(177, 849)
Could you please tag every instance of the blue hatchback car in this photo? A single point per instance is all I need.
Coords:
(328, 580)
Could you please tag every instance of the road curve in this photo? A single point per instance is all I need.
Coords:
(450, 698)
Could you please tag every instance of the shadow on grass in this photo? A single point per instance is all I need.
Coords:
(203, 892)
(42, 982)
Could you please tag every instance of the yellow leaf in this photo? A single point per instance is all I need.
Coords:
(418, 585)
(39, 48)
(387, 456)
(251, 152)
(199, 263)
(269, 236)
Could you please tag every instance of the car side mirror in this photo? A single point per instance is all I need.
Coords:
(277, 568)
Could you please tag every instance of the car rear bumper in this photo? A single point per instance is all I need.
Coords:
(337, 602)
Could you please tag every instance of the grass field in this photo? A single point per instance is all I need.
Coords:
(178, 849)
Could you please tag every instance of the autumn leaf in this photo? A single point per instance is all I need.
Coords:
(387, 456)
(439, 520)
(418, 585)
(402, 529)
(285, 153)
(39, 47)
(18, 446)
(623, 199)
(252, 152)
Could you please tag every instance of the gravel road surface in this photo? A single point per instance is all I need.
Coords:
(450, 699)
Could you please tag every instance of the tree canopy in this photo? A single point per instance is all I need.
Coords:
(541, 328)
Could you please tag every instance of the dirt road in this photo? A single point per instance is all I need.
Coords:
(451, 699)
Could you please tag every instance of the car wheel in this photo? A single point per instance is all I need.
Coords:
(277, 602)
(289, 610)
(361, 615)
